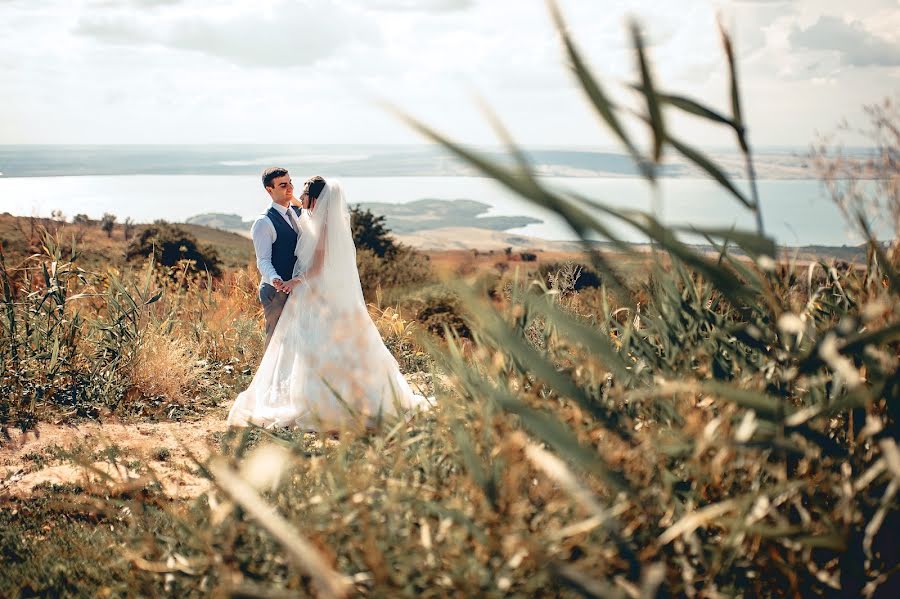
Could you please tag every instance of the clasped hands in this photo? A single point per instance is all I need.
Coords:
(286, 286)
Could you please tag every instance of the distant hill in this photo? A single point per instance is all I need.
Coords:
(20, 237)
(427, 214)
(412, 217)
(226, 222)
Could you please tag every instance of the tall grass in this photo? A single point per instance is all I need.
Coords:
(77, 343)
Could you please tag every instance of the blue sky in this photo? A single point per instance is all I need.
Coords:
(307, 71)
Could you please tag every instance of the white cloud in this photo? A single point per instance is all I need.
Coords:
(855, 45)
(422, 5)
(289, 34)
(170, 71)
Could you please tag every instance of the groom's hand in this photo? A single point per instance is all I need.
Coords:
(278, 284)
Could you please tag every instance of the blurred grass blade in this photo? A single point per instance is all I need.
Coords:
(557, 470)
(542, 425)
(766, 406)
(884, 263)
(506, 137)
(517, 182)
(532, 362)
(473, 464)
(591, 338)
(649, 91)
(605, 108)
(733, 85)
(328, 582)
(853, 346)
(710, 168)
(753, 243)
(585, 585)
(723, 279)
(522, 183)
(696, 519)
(690, 106)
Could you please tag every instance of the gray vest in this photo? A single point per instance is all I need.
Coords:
(283, 257)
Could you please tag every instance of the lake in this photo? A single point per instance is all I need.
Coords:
(796, 212)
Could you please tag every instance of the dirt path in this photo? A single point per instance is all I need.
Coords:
(161, 448)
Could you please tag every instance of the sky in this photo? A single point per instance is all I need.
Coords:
(314, 71)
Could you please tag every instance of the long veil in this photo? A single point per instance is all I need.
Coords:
(326, 246)
(326, 365)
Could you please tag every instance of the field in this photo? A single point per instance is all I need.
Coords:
(619, 422)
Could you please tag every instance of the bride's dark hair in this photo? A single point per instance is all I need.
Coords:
(314, 187)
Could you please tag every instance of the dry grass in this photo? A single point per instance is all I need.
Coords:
(166, 366)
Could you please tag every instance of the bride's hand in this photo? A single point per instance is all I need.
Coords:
(290, 285)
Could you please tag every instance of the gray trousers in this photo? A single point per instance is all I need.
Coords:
(272, 302)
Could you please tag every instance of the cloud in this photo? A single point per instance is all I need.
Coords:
(107, 4)
(422, 5)
(855, 45)
(295, 34)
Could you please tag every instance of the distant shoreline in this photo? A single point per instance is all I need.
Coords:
(369, 161)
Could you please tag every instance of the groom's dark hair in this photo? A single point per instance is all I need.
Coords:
(314, 187)
(272, 173)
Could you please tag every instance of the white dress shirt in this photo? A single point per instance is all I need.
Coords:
(264, 235)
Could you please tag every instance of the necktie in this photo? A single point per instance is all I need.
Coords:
(292, 219)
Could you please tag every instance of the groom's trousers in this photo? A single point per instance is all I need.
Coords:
(272, 302)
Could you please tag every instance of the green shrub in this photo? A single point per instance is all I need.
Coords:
(370, 232)
(404, 269)
(171, 246)
(440, 309)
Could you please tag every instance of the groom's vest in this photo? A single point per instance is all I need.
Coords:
(283, 257)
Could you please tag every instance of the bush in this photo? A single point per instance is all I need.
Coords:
(108, 223)
(382, 262)
(171, 245)
(440, 310)
(370, 232)
(164, 366)
(405, 267)
(568, 276)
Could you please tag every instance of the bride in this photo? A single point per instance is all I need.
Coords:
(326, 366)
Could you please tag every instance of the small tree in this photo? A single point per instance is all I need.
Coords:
(82, 219)
(108, 223)
(170, 244)
(128, 228)
(369, 231)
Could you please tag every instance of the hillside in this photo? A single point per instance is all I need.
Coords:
(21, 237)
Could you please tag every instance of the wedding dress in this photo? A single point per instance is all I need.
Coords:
(326, 366)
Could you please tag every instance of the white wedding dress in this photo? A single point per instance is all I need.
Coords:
(326, 366)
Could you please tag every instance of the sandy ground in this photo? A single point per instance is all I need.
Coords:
(146, 452)
(467, 238)
(34, 458)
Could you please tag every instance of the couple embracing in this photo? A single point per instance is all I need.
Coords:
(325, 366)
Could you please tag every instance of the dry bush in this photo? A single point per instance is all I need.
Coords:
(165, 366)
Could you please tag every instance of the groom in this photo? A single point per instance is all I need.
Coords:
(275, 234)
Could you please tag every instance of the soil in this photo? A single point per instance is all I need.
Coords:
(163, 450)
